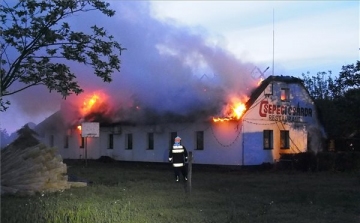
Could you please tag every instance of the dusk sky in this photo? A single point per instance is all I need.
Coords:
(174, 43)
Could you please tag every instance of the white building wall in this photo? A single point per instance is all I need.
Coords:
(59, 142)
(225, 143)
(222, 143)
(255, 122)
(73, 149)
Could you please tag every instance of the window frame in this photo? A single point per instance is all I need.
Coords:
(66, 141)
(199, 140)
(129, 144)
(150, 141)
(284, 139)
(110, 141)
(285, 94)
(268, 134)
(82, 142)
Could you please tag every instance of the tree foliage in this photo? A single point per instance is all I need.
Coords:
(349, 78)
(338, 100)
(36, 42)
(319, 86)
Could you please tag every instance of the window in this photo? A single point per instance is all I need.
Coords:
(285, 94)
(200, 140)
(82, 142)
(284, 139)
(129, 141)
(111, 141)
(66, 141)
(150, 140)
(268, 139)
(51, 140)
(172, 138)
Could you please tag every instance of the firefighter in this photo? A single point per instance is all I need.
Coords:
(178, 156)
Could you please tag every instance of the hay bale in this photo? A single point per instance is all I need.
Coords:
(32, 169)
(28, 167)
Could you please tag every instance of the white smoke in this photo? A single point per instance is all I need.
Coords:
(166, 67)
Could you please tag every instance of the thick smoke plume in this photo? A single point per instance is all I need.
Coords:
(166, 69)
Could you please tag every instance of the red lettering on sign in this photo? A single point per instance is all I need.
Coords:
(274, 110)
(263, 108)
(283, 110)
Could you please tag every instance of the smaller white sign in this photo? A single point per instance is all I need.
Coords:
(90, 129)
(269, 89)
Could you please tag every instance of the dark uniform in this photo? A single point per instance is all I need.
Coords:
(178, 155)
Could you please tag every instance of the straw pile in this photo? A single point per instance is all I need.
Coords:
(32, 169)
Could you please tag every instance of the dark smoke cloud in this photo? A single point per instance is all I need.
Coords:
(167, 68)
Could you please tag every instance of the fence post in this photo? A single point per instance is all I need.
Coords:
(85, 151)
(190, 159)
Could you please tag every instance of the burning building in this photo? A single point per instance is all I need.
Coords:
(278, 117)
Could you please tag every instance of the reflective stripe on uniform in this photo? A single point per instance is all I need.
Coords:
(177, 147)
(177, 150)
(178, 164)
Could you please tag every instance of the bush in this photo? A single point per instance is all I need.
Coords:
(326, 161)
(322, 161)
(300, 161)
(347, 161)
(305, 161)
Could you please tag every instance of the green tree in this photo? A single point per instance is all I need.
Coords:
(347, 99)
(338, 100)
(36, 42)
(349, 78)
(319, 86)
(349, 106)
(320, 89)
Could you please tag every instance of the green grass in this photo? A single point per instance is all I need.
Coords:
(144, 192)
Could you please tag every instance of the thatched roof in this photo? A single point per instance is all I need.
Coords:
(148, 116)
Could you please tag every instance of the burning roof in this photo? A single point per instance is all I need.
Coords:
(98, 107)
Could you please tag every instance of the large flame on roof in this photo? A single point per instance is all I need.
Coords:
(92, 103)
(233, 110)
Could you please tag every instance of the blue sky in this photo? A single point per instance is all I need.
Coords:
(170, 42)
(308, 35)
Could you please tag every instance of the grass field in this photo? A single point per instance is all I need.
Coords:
(146, 192)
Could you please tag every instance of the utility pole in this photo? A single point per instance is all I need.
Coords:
(273, 62)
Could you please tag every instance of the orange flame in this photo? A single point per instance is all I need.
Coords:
(234, 111)
(260, 81)
(79, 127)
(92, 103)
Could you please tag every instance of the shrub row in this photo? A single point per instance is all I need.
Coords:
(322, 161)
